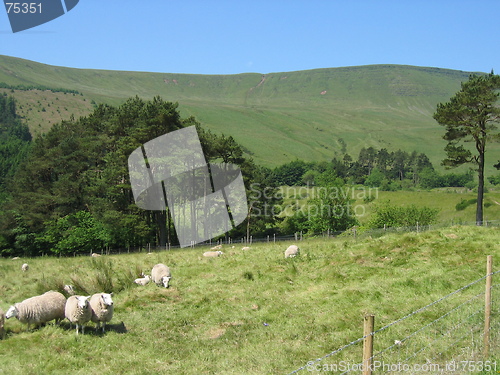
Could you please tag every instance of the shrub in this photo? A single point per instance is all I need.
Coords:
(389, 215)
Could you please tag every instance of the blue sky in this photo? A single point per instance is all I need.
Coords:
(237, 36)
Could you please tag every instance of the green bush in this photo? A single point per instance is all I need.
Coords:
(389, 215)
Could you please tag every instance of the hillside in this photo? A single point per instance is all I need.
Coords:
(277, 117)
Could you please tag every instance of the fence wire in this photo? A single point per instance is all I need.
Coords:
(451, 340)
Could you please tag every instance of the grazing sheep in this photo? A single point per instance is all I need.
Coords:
(102, 309)
(2, 321)
(69, 289)
(25, 267)
(245, 248)
(161, 274)
(143, 280)
(217, 247)
(95, 255)
(39, 309)
(78, 311)
(292, 251)
(212, 254)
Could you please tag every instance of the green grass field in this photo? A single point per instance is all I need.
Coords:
(252, 312)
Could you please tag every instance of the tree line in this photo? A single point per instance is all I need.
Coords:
(22, 87)
(71, 192)
(387, 170)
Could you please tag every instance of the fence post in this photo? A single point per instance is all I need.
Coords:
(369, 324)
(487, 306)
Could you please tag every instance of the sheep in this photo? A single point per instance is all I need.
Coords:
(2, 321)
(218, 247)
(101, 305)
(161, 274)
(245, 248)
(143, 280)
(78, 311)
(95, 255)
(292, 251)
(69, 289)
(39, 309)
(212, 254)
(25, 267)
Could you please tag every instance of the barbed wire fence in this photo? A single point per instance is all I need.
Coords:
(355, 233)
(454, 334)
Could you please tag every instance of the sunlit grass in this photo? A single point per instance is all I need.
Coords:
(247, 312)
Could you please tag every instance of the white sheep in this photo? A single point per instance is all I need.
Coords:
(161, 274)
(217, 247)
(143, 280)
(69, 289)
(2, 321)
(39, 309)
(245, 248)
(95, 255)
(292, 251)
(212, 254)
(78, 311)
(25, 267)
(102, 309)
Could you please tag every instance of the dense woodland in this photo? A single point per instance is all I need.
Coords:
(71, 192)
(68, 191)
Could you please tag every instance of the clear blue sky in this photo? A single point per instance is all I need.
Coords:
(237, 36)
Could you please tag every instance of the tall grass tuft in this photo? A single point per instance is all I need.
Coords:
(103, 280)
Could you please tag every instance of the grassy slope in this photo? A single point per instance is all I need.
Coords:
(280, 116)
(211, 320)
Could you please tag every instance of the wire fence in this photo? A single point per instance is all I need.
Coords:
(355, 233)
(452, 335)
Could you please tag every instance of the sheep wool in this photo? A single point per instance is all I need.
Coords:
(25, 267)
(39, 309)
(143, 280)
(292, 251)
(161, 274)
(101, 305)
(78, 311)
(212, 254)
(2, 321)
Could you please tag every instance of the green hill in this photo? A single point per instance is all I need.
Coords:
(277, 117)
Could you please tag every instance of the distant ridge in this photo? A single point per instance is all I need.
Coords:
(277, 117)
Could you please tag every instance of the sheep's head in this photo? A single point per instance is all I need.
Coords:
(83, 301)
(165, 280)
(12, 311)
(69, 289)
(106, 299)
(220, 252)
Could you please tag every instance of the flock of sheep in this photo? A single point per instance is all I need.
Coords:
(97, 308)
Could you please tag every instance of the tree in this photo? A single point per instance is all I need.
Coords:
(329, 208)
(471, 116)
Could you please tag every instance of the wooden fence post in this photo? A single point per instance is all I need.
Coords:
(369, 323)
(487, 306)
